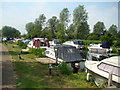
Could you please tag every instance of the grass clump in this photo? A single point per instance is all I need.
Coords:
(64, 69)
(39, 52)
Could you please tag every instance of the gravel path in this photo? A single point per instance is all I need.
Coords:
(8, 75)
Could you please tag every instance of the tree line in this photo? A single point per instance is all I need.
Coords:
(61, 28)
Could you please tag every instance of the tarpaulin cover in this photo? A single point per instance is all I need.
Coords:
(68, 53)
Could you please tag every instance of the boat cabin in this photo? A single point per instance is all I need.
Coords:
(39, 42)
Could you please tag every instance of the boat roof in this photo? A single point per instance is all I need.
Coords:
(115, 60)
(68, 53)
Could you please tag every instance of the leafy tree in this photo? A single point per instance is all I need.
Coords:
(52, 23)
(60, 32)
(70, 32)
(99, 28)
(47, 33)
(8, 31)
(118, 35)
(64, 17)
(113, 30)
(41, 19)
(93, 36)
(29, 28)
(107, 38)
(80, 17)
(35, 29)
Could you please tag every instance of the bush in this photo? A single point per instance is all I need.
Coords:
(21, 44)
(64, 69)
(38, 52)
(114, 50)
(117, 43)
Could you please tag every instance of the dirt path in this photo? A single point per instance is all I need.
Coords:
(8, 75)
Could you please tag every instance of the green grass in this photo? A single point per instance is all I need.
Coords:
(33, 74)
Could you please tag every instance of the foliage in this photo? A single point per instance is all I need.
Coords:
(113, 30)
(64, 16)
(99, 28)
(70, 31)
(107, 38)
(64, 69)
(114, 50)
(80, 17)
(93, 36)
(52, 23)
(21, 44)
(118, 35)
(8, 31)
(117, 43)
(35, 28)
(60, 32)
(38, 52)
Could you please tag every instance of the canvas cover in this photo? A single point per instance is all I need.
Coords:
(68, 53)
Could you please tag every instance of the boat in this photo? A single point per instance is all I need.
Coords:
(39, 43)
(102, 70)
(99, 48)
(76, 43)
(65, 53)
(55, 42)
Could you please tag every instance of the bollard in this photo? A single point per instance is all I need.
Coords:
(110, 80)
(88, 77)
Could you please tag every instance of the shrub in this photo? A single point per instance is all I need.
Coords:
(38, 52)
(64, 69)
(117, 43)
(119, 52)
(21, 44)
(114, 50)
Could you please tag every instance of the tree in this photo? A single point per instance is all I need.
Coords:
(35, 29)
(8, 31)
(107, 38)
(99, 28)
(70, 32)
(41, 20)
(47, 33)
(113, 30)
(52, 23)
(60, 32)
(64, 17)
(118, 35)
(80, 17)
(29, 28)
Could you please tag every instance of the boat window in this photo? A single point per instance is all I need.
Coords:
(109, 68)
(47, 52)
(56, 41)
(78, 42)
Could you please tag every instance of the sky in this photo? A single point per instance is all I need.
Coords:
(18, 14)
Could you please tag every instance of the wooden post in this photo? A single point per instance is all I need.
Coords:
(110, 79)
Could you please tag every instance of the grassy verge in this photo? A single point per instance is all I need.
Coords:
(32, 74)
